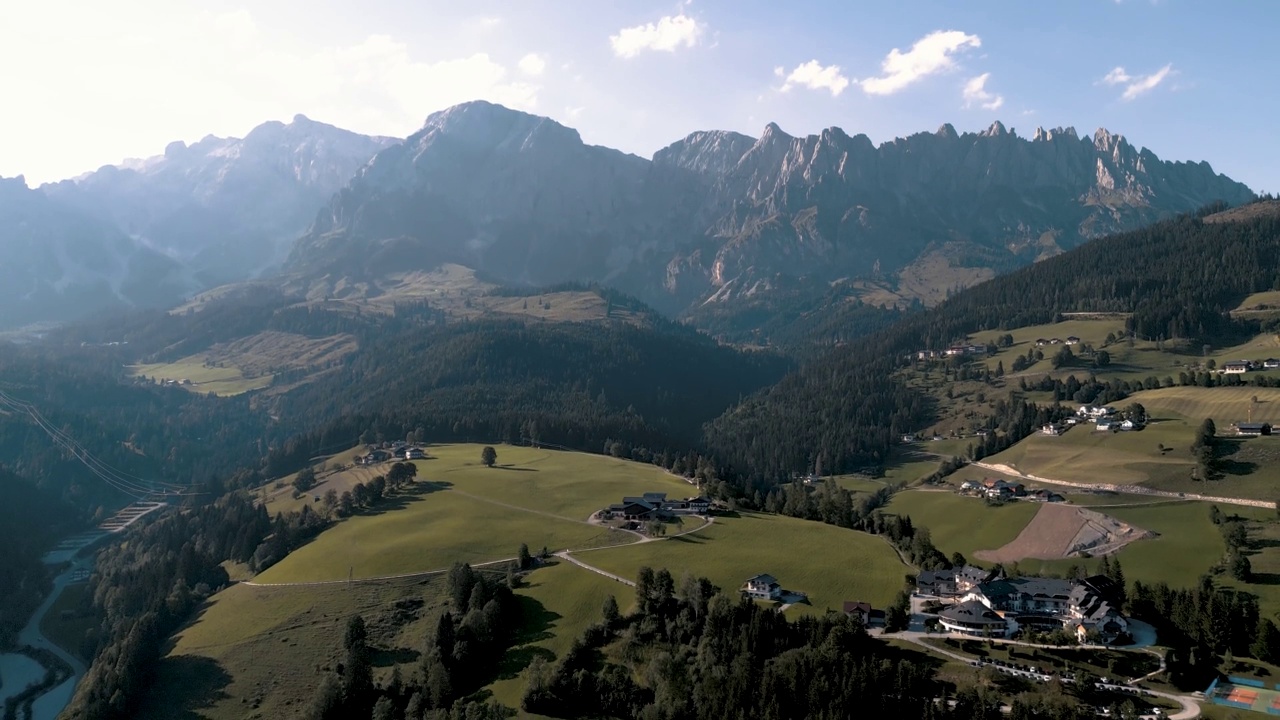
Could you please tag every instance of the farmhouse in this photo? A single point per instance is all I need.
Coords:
(1095, 411)
(1073, 340)
(1131, 424)
(1053, 429)
(373, 457)
(653, 505)
(762, 587)
(1041, 342)
(414, 453)
(1252, 429)
(1105, 424)
(1237, 367)
(1271, 363)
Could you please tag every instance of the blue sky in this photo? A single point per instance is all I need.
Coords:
(92, 83)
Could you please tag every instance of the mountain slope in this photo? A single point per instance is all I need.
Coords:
(227, 208)
(57, 263)
(719, 216)
(1177, 279)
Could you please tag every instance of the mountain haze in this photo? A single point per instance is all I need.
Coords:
(225, 208)
(720, 216)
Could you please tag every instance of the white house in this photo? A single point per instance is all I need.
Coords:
(762, 587)
(1104, 424)
(1237, 367)
(414, 453)
(1052, 429)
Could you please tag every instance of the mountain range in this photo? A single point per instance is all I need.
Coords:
(718, 220)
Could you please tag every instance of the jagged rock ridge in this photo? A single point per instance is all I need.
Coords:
(718, 214)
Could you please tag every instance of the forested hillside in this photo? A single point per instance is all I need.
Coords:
(1178, 278)
(29, 522)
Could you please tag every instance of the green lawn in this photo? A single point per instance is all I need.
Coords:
(963, 524)
(831, 564)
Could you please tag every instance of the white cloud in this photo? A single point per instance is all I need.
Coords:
(976, 93)
(532, 64)
(1135, 85)
(668, 34)
(573, 113)
(815, 76)
(931, 54)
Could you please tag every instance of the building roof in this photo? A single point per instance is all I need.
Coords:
(972, 613)
(763, 579)
(1035, 587)
(1247, 426)
(851, 606)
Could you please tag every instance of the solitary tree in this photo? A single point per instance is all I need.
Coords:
(488, 456)
(526, 560)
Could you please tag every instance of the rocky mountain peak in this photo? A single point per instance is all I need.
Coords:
(947, 131)
(996, 129)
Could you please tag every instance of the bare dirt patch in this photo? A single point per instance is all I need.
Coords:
(1062, 531)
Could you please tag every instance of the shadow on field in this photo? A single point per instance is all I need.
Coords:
(513, 468)
(396, 656)
(537, 622)
(1265, 578)
(408, 494)
(195, 683)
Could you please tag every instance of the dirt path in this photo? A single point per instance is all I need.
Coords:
(1125, 489)
(564, 555)
(1046, 537)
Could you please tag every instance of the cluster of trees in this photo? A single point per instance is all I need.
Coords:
(689, 652)
(1235, 536)
(1205, 449)
(366, 495)
(1012, 420)
(460, 656)
(29, 520)
(1200, 624)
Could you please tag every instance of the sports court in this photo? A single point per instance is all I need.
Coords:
(1245, 694)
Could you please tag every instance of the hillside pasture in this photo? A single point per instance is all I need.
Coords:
(224, 381)
(262, 652)
(460, 510)
(828, 563)
(1225, 405)
(1084, 455)
(962, 524)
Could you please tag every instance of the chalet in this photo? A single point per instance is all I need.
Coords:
(414, 453)
(1252, 429)
(1073, 420)
(1055, 341)
(953, 582)
(1041, 342)
(975, 619)
(1131, 424)
(373, 457)
(762, 587)
(1043, 495)
(1271, 363)
(1073, 340)
(1237, 367)
(1105, 424)
(983, 432)
(969, 486)
(909, 438)
(698, 505)
(956, 350)
(863, 613)
(1052, 429)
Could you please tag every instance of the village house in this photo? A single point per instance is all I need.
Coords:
(1252, 429)
(1043, 495)
(655, 505)
(1237, 367)
(909, 438)
(1041, 342)
(373, 457)
(1073, 340)
(1105, 425)
(414, 453)
(953, 582)
(1130, 424)
(864, 613)
(1053, 429)
(1271, 363)
(762, 587)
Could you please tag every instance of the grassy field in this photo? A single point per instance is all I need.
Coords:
(560, 601)
(223, 381)
(831, 564)
(258, 652)
(1250, 467)
(962, 524)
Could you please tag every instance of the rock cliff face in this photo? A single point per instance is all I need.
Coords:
(719, 215)
(57, 263)
(225, 208)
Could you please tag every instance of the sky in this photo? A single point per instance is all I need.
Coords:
(90, 83)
